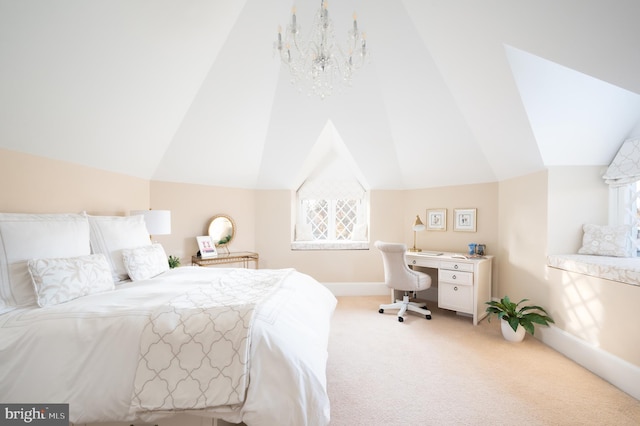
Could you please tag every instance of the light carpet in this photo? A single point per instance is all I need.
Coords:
(447, 372)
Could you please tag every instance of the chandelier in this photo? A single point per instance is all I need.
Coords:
(318, 65)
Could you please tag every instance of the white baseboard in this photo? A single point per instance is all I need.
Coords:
(615, 370)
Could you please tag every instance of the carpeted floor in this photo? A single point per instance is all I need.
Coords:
(448, 372)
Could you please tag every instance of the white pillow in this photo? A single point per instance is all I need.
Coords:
(60, 280)
(606, 240)
(112, 234)
(27, 236)
(359, 232)
(303, 232)
(145, 262)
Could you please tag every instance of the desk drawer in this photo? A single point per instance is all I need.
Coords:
(457, 297)
(425, 262)
(456, 277)
(457, 266)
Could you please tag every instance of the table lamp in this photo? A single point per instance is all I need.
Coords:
(417, 226)
(158, 221)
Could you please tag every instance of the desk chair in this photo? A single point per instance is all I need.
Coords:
(398, 276)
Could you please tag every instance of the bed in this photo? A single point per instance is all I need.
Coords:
(106, 327)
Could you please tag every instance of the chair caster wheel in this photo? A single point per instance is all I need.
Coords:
(428, 316)
(381, 311)
(400, 319)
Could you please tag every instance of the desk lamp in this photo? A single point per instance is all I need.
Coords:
(417, 226)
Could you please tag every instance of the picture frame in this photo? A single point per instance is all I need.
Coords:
(464, 220)
(207, 247)
(436, 219)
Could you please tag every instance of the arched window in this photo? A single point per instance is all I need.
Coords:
(331, 214)
(332, 203)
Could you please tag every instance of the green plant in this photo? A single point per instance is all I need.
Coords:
(174, 262)
(526, 316)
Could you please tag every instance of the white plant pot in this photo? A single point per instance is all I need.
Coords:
(509, 334)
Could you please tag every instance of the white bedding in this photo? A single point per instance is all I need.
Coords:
(85, 352)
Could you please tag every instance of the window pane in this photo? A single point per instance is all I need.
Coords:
(317, 214)
(346, 217)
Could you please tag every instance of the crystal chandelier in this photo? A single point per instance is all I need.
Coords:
(318, 65)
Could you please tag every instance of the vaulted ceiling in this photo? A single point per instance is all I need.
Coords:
(456, 92)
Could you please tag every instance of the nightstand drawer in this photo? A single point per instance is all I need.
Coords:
(456, 277)
(457, 297)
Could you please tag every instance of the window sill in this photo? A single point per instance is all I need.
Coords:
(621, 269)
(329, 245)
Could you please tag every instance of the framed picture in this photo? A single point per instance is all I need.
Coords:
(464, 220)
(436, 219)
(207, 247)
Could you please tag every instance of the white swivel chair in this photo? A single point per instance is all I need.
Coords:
(398, 276)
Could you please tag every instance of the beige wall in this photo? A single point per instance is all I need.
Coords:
(517, 219)
(33, 184)
(577, 195)
(263, 218)
(193, 206)
(598, 312)
(264, 221)
(274, 234)
(392, 216)
(483, 197)
(522, 238)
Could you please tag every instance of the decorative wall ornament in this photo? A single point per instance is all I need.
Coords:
(464, 220)
(436, 219)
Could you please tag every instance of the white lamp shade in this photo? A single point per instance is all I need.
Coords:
(158, 221)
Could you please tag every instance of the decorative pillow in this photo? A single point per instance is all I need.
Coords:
(145, 262)
(60, 280)
(112, 234)
(27, 236)
(303, 232)
(359, 232)
(606, 240)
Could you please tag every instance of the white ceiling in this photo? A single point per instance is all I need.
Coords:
(457, 92)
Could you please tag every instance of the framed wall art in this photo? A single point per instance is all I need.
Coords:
(207, 247)
(464, 220)
(436, 219)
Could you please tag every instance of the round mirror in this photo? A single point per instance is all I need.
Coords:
(222, 230)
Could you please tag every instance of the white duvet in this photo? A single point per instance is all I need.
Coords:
(86, 352)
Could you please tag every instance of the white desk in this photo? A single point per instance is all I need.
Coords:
(464, 285)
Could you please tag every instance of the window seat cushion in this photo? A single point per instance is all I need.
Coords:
(329, 245)
(621, 269)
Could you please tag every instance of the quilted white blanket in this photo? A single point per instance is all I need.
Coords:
(194, 349)
(87, 352)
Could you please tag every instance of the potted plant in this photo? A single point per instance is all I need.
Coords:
(516, 320)
(174, 262)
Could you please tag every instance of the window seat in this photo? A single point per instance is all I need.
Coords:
(329, 245)
(622, 269)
